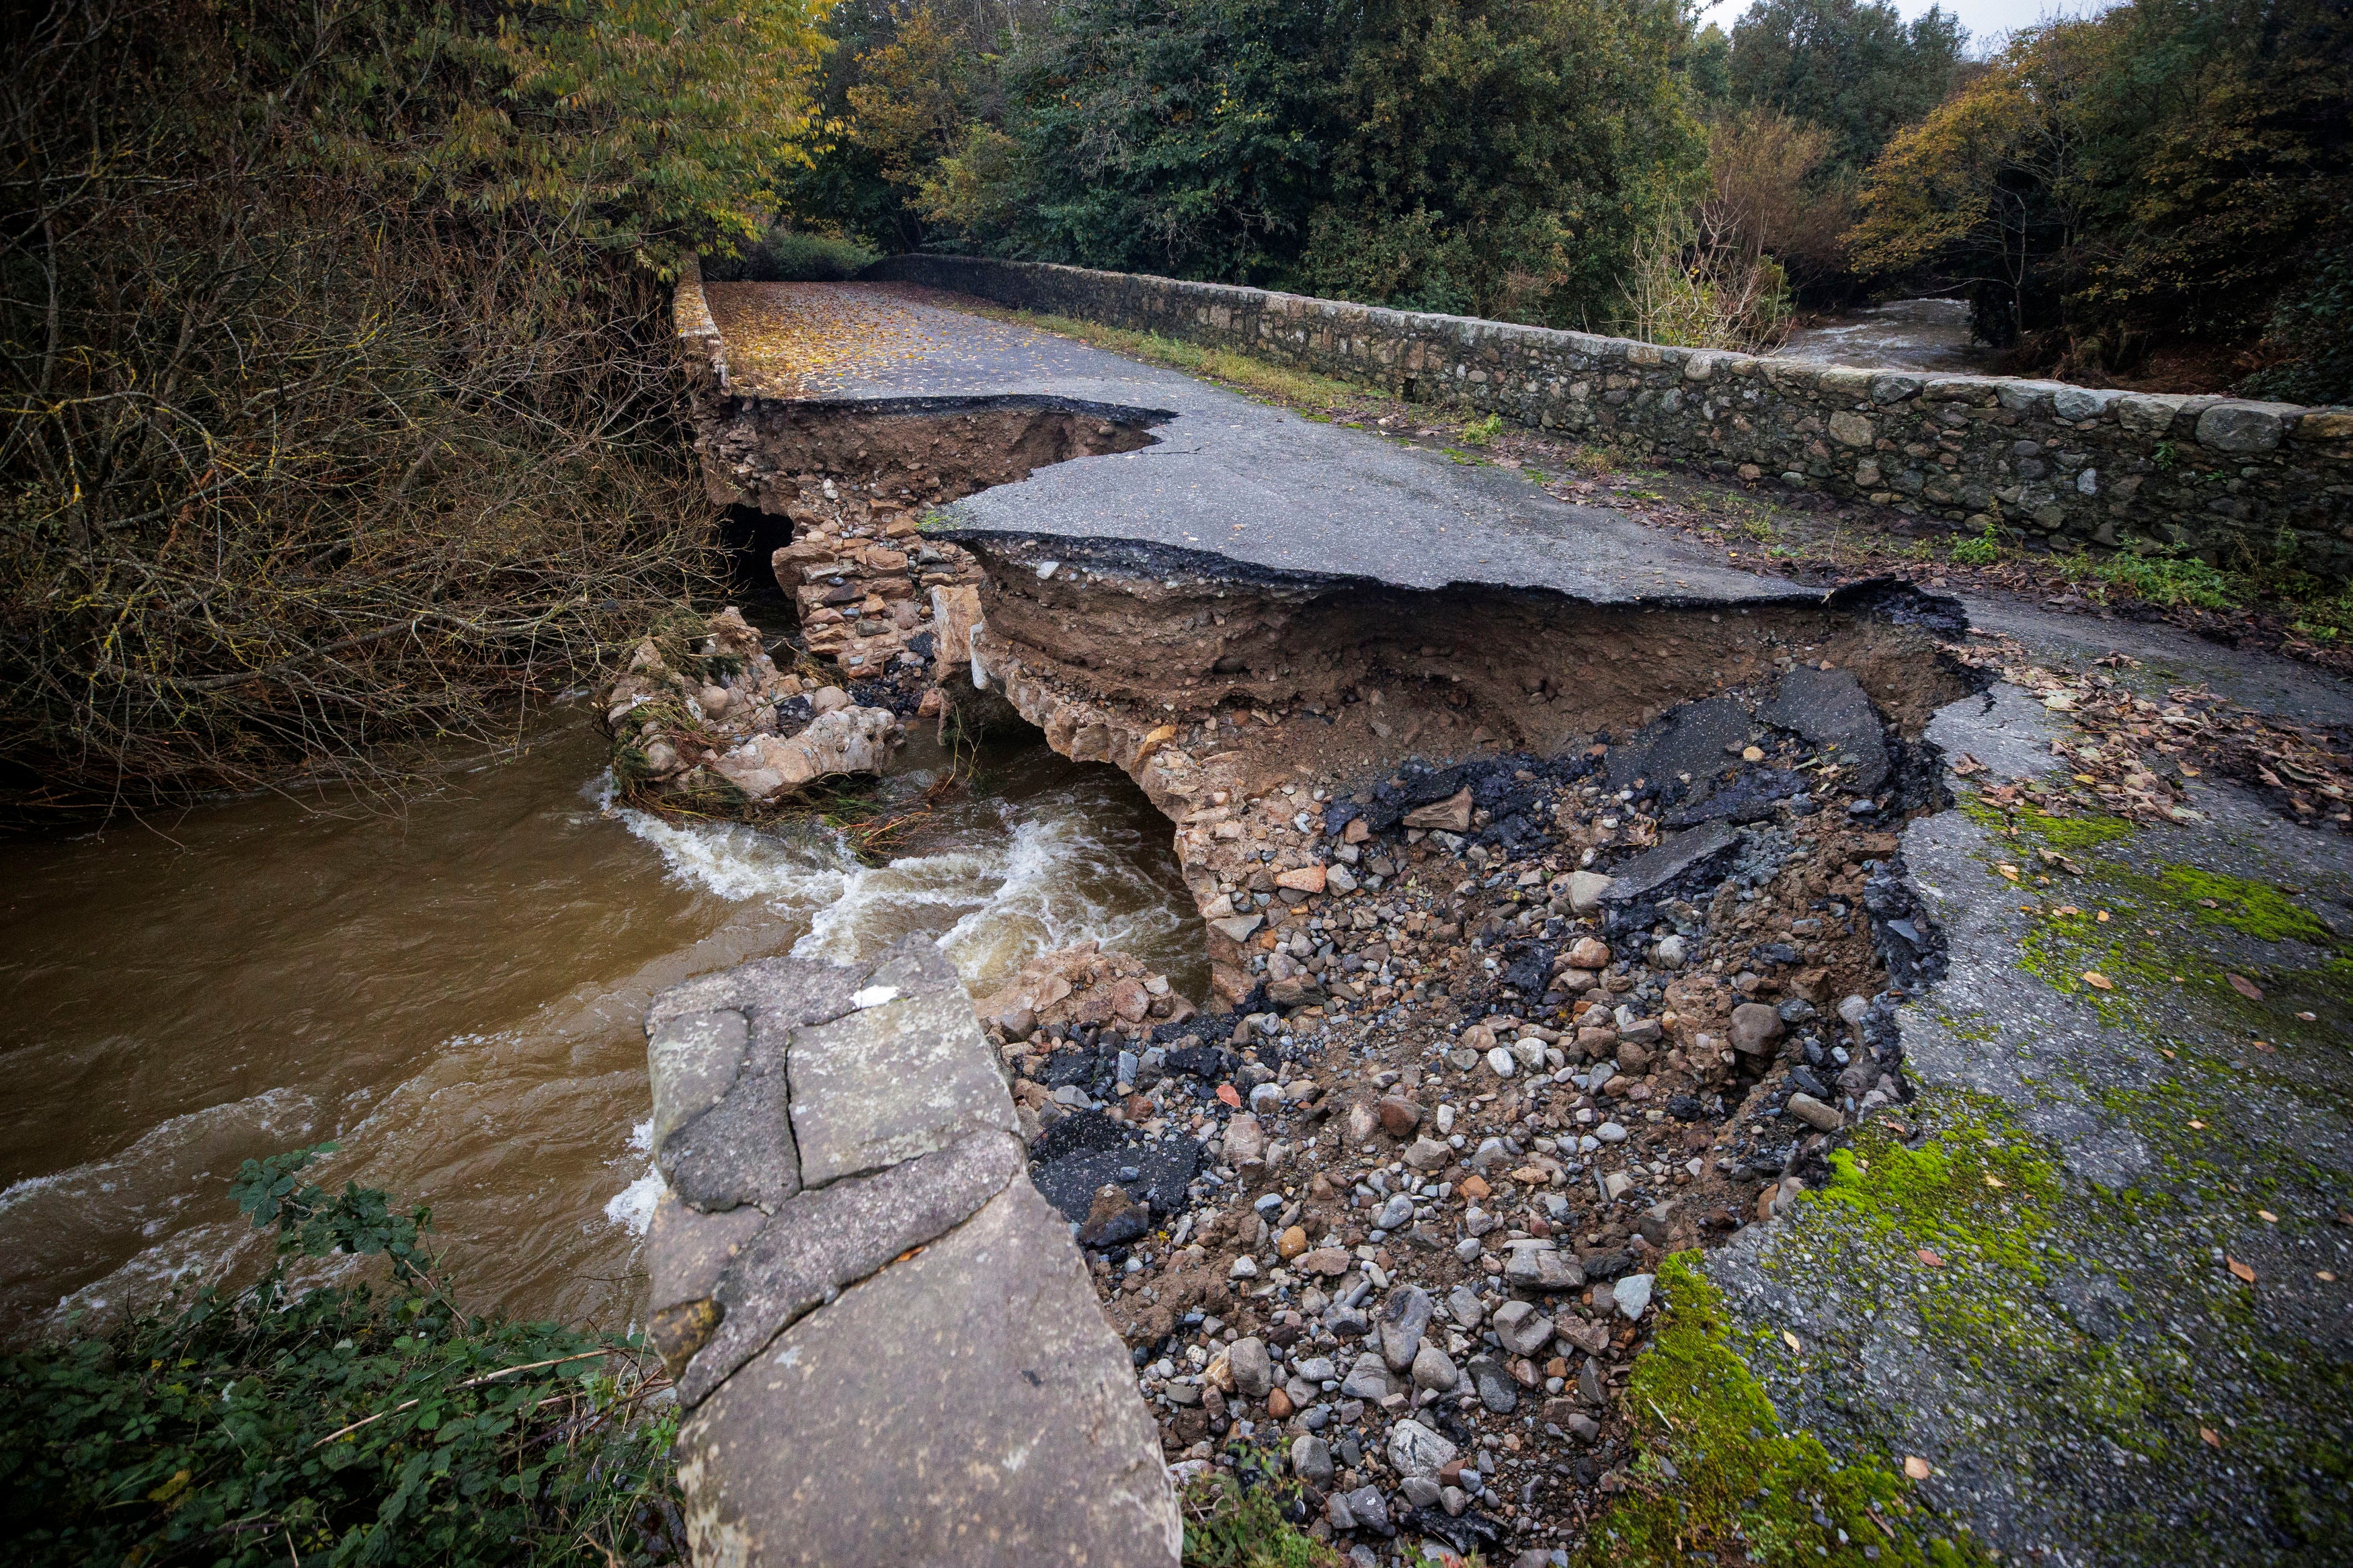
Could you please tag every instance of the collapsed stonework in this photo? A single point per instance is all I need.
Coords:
(1578, 951)
(704, 721)
(1218, 692)
(1490, 1037)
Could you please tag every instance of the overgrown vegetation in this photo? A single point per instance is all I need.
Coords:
(788, 255)
(2155, 191)
(346, 1423)
(341, 415)
(1498, 159)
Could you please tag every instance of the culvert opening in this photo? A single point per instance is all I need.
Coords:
(785, 745)
(1548, 938)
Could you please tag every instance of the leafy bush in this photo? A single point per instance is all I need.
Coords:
(1981, 549)
(344, 1425)
(787, 255)
(2163, 574)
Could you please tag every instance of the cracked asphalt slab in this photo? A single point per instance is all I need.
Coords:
(1258, 485)
(2096, 1272)
(2093, 1280)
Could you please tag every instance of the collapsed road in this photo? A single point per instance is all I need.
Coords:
(1693, 1069)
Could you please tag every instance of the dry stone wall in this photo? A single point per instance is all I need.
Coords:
(2226, 478)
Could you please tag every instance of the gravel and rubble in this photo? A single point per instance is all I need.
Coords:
(1396, 1215)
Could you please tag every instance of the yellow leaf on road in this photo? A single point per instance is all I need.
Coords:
(1791, 1339)
(2097, 981)
(1915, 1467)
(2242, 1270)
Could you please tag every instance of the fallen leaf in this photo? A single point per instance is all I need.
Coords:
(2102, 917)
(1231, 1095)
(2325, 1273)
(2097, 981)
(2168, 1056)
(1930, 1259)
(1915, 1467)
(2198, 1124)
(2212, 1438)
(1994, 1182)
(2309, 1017)
(2244, 987)
(2241, 1270)
(1792, 1340)
(2008, 870)
(2269, 1217)
(2067, 909)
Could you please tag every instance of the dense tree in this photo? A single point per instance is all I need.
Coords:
(1482, 157)
(1499, 158)
(2171, 171)
(1853, 67)
(1168, 135)
(1984, 193)
(906, 85)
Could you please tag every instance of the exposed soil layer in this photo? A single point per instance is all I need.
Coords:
(917, 451)
(1511, 669)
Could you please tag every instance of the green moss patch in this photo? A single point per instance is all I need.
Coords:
(2252, 908)
(1977, 1192)
(2070, 836)
(1718, 1474)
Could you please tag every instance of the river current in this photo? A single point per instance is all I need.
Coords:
(456, 995)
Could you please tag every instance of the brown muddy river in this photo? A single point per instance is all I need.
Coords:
(454, 996)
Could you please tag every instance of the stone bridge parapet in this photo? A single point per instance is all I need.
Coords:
(2234, 480)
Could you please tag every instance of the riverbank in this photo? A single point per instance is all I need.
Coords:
(456, 995)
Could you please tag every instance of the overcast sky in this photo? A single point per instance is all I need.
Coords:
(1987, 20)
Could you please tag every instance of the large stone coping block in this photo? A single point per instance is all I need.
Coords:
(889, 1345)
(966, 1408)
